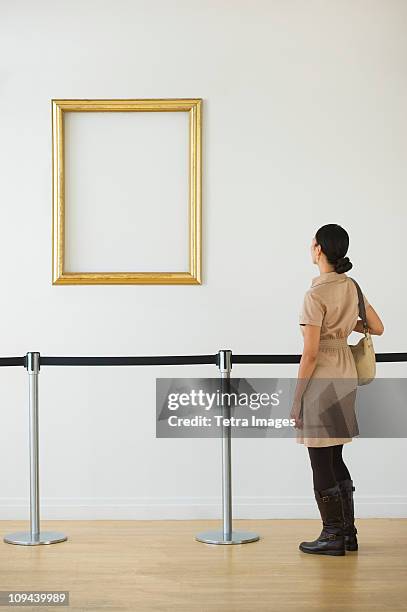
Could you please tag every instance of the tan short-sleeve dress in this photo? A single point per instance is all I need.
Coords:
(328, 403)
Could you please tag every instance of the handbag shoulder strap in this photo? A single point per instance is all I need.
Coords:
(362, 309)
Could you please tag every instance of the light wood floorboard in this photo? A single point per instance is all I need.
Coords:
(158, 566)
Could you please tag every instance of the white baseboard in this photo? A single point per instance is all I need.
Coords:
(187, 508)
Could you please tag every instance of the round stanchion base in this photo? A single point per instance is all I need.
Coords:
(24, 538)
(217, 537)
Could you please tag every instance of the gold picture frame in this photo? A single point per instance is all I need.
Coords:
(194, 107)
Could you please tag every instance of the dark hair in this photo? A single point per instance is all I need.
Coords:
(334, 242)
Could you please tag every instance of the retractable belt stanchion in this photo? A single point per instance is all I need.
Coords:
(227, 535)
(34, 536)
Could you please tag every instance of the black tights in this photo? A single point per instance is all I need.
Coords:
(328, 466)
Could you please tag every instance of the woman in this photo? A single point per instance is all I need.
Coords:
(324, 403)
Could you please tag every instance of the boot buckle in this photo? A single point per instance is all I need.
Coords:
(325, 498)
(332, 536)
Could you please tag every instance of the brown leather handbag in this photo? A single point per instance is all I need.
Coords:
(363, 352)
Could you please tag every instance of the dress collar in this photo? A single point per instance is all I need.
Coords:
(327, 277)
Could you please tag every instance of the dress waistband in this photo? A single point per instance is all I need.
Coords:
(333, 342)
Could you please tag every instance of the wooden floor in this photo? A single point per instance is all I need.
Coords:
(157, 565)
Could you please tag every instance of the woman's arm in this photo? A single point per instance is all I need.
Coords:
(374, 323)
(308, 362)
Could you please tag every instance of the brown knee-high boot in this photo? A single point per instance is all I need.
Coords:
(331, 540)
(346, 487)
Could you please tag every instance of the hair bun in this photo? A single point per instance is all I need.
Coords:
(343, 264)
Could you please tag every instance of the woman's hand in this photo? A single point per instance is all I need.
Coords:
(308, 362)
(374, 323)
(296, 415)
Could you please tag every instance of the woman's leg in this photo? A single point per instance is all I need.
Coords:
(322, 467)
(340, 470)
(346, 488)
(328, 497)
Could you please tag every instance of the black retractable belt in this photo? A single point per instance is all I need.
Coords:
(149, 360)
(131, 361)
(380, 357)
(386, 357)
(266, 358)
(13, 361)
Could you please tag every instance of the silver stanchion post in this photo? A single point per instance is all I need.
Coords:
(34, 536)
(227, 535)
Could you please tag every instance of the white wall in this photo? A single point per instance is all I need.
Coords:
(304, 124)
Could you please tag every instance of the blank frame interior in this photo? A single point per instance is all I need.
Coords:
(127, 191)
